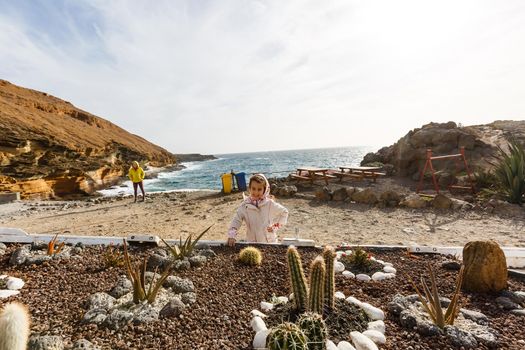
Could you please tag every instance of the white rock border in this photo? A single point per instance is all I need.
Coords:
(388, 269)
(368, 340)
(13, 284)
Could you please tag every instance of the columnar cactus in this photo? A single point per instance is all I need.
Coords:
(317, 277)
(297, 279)
(314, 328)
(250, 256)
(286, 336)
(329, 285)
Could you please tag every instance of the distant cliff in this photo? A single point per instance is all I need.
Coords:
(408, 154)
(49, 148)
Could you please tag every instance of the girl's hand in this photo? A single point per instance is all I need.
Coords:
(269, 229)
(231, 242)
(274, 227)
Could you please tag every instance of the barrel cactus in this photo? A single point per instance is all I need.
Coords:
(316, 293)
(314, 328)
(250, 256)
(286, 336)
(329, 284)
(297, 279)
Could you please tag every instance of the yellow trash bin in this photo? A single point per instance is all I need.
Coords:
(227, 183)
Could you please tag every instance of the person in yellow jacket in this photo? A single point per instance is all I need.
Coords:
(136, 175)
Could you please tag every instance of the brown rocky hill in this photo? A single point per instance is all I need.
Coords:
(50, 148)
(407, 156)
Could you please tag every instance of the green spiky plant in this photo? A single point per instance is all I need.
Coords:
(329, 283)
(510, 172)
(112, 256)
(297, 279)
(315, 330)
(359, 258)
(250, 256)
(316, 290)
(432, 304)
(137, 275)
(286, 336)
(184, 250)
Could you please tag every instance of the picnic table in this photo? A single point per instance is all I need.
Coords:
(311, 174)
(359, 172)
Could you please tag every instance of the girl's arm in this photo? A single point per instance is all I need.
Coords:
(279, 215)
(236, 223)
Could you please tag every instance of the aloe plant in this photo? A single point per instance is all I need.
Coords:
(137, 275)
(185, 249)
(510, 172)
(432, 304)
(52, 247)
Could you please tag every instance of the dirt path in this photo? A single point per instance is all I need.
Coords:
(178, 214)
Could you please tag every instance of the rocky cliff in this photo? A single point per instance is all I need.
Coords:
(407, 156)
(49, 148)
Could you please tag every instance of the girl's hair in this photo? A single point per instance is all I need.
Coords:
(259, 179)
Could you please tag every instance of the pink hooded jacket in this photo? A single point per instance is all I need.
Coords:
(259, 215)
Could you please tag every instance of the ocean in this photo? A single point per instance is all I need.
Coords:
(206, 175)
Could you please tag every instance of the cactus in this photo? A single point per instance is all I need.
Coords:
(250, 256)
(286, 336)
(314, 329)
(316, 293)
(329, 284)
(297, 279)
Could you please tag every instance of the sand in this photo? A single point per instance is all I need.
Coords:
(171, 215)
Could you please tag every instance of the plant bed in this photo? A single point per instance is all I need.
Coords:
(226, 293)
(363, 266)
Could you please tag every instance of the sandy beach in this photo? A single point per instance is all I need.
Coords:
(171, 215)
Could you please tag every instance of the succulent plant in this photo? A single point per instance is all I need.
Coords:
(286, 336)
(54, 248)
(297, 279)
(316, 292)
(250, 256)
(329, 283)
(359, 258)
(314, 328)
(184, 249)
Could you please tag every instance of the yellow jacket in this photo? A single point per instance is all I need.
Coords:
(136, 175)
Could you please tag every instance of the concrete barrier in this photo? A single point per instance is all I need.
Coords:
(8, 197)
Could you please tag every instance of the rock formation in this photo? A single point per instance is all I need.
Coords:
(408, 154)
(50, 148)
(485, 267)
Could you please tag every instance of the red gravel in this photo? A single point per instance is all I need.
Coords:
(226, 293)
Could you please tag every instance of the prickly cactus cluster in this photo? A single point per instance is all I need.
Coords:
(297, 279)
(315, 330)
(286, 336)
(250, 256)
(317, 278)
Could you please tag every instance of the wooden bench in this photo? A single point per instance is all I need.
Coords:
(359, 173)
(299, 177)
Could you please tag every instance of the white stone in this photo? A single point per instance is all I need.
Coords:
(339, 295)
(348, 274)
(258, 324)
(5, 293)
(338, 254)
(266, 306)
(290, 297)
(283, 299)
(339, 267)
(387, 264)
(362, 342)
(373, 258)
(373, 312)
(2, 277)
(376, 336)
(14, 283)
(389, 269)
(389, 275)
(330, 345)
(377, 326)
(354, 301)
(380, 261)
(258, 313)
(378, 276)
(344, 345)
(348, 252)
(363, 277)
(259, 341)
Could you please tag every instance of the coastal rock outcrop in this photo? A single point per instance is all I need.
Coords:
(50, 148)
(481, 142)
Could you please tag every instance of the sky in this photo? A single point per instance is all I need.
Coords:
(228, 76)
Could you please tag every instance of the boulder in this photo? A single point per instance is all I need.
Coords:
(441, 201)
(45, 342)
(366, 196)
(414, 201)
(340, 194)
(485, 267)
(323, 194)
(390, 198)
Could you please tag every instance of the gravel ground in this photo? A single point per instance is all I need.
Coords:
(226, 293)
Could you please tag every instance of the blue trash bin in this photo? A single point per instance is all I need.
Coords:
(241, 181)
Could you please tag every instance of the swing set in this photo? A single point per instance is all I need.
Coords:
(459, 158)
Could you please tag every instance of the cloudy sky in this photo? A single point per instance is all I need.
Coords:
(252, 75)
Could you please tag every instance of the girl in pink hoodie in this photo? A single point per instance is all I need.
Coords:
(263, 216)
